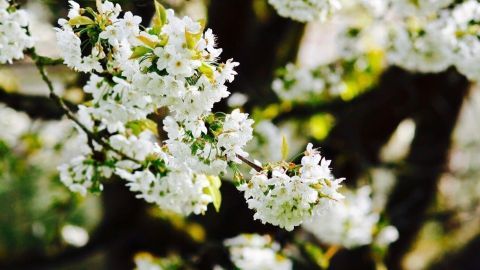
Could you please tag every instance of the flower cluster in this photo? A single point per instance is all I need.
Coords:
(14, 124)
(420, 8)
(145, 261)
(433, 35)
(351, 223)
(46, 143)
(256, 252)
(422, 49)
(170, 71)
(462, 32)
(305, 10)
(428, 36)
(14, 38)
(302, 84)
(269, 141)
(134, 73)
(81, 175)
(285, 194)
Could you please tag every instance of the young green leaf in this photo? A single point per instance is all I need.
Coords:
(147, 41)
(80, 20)
(138, 126)
(207, 70)
(192, 38)
(160, 18)
(284, 148)
(214, 190)
(139, 51)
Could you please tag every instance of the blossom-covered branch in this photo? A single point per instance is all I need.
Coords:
(172, 64)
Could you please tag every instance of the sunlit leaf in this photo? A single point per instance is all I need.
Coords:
(80, 20)
(284, 148)
(139, 51)
(214, 190)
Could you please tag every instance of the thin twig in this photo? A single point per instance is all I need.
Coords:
(249, 163)
(40, 63)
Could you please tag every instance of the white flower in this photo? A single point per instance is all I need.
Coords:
(180, 66)
(179, 190)
(113, 34)
(81, 174)
(237, 100)
(131, 23)
(14, 38)
(349, 223)
(74, 10)
(305, 10)
(110, 9)
(423, 7)
(426, 52)
(70, 49)
(256, 252)
(307, 84)
(136, 147)
(386, 236)
(236, 133)
(13, 123)
(285, 198)
(169, 73)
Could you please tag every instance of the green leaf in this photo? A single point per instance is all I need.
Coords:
(284, 148)
(214, 190)
(202, 23)
(139, 51)
(160, 18)
(80, 20)
(138, 126)
(317, 255)
(207, 70)
(192, 39)
(145, 40)
(163, 40)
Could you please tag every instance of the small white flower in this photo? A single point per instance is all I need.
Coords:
(256, 252)
(305, 11)
(14, 38)
(350, 223)
(74, 10)
(287, 199)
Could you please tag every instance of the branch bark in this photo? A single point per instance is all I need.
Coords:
(416, 186)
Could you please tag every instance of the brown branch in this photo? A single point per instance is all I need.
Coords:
(416, 186)
(35, 106)
(249, 163)
(40, 63)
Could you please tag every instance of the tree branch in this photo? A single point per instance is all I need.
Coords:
(40, 63)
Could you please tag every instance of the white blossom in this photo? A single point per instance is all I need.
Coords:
(14, 124)
(305, 10)
(386, 236)
(14, 37)
(349, 223)
(306, 84)
(81, 174)
(177, 69)
(285, 197)
(256, 252)
(174, 66)
(424, 50)
(236, 133)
